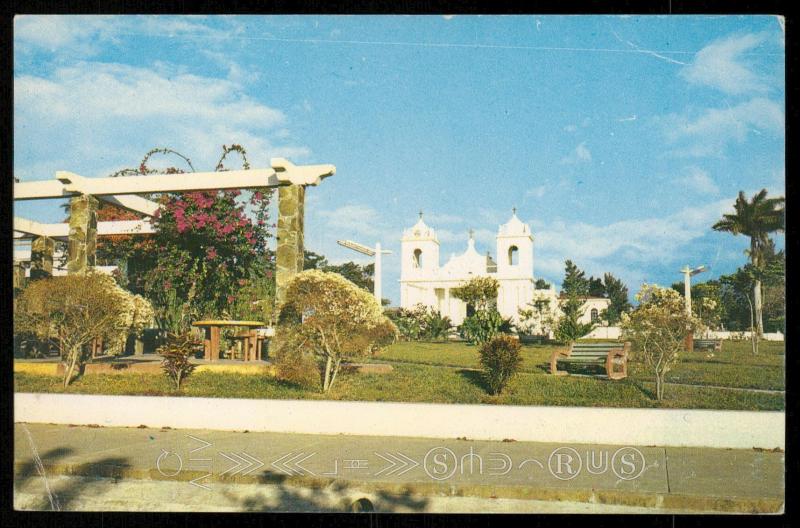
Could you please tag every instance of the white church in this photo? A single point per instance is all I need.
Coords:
(423, 280)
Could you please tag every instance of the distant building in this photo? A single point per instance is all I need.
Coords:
(424, 281)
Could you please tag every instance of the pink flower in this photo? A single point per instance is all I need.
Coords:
(211, 253)
(230, 299)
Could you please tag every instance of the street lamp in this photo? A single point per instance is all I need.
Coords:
(376, 252)
(687, 284)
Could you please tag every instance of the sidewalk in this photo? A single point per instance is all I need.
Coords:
(221, 470)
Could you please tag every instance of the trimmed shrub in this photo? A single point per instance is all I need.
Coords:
(176, 352)
(293, 363)
(500, 359)
(333, 318)
(72, 310)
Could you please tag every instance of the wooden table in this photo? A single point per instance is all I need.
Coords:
(211, 342)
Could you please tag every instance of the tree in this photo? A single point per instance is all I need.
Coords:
(575, 289)
(483, 321)
(359, 275)
(478, 292)
(657, 329)
(569, 328)
(755, 218)
(575, 282)
(596, 287)
(618, 295)
(538, 317)
(73, 310)
(541, 284)
(207, 247)
(331, 318)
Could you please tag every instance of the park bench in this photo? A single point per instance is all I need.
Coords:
(606, 354)
(715, 344)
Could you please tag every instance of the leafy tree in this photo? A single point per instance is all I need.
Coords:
(541, 284)
(207, 246)
(575, 281)
(618, 295)
(478, 292)
(539, 317)
(313, 260)
(574, 288)
(755, 218)
(71, 311)
(596, 287)
(332, 319)
(361, 276)
(569, 328)
(657, 330)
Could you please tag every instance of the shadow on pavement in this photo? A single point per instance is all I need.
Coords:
(66, 491)
(336, 496)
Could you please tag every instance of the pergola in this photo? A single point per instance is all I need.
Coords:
(82, 230)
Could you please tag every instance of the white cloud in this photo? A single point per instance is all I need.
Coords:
(627, 248)
(710, 133)
(93, 112)
(720, 65)
(698, 180)
(581, 154)
(356, 219)
(536, 192)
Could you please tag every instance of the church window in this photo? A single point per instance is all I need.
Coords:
(595, 316)
(513, 256)
(417, 258)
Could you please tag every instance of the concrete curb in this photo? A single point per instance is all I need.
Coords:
(636, 427)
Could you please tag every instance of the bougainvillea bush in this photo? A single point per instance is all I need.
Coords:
(208, 255)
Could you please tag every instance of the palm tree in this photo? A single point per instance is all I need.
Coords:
(756, 218)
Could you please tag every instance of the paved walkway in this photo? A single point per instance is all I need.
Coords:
(65, 467)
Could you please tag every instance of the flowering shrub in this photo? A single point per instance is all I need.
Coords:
(207, 247)
(657, 329)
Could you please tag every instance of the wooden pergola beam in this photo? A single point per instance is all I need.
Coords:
(28, 228)
(67, 184)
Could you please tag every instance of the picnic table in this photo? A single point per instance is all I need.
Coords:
(214, 326)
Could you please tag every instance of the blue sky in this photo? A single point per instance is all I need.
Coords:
(621, 140)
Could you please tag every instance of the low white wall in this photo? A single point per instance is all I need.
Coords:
(724, 334)
(642, 427)
(604, 332)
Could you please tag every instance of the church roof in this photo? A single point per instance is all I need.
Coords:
(420, 230)
(514, 227)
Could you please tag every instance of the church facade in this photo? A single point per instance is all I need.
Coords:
(423, 280)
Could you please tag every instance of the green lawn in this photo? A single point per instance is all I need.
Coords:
(734, 366)
(444, 373)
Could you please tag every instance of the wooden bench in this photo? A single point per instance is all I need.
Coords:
(715, 344)
(598, 353)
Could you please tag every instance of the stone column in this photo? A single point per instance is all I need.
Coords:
(82, 234)
(289, 257)
(42, 248)
(19, 275)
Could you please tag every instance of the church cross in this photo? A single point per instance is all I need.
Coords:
(514, 210)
